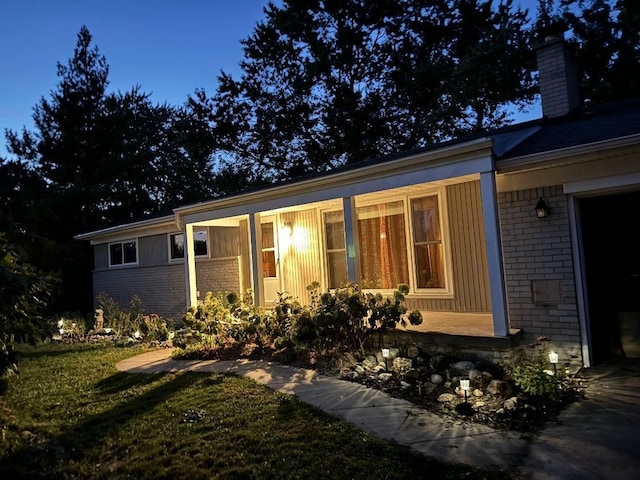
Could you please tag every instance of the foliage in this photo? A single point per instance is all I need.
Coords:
(327, 83)
(134, 322)
(605, 39)
(96, 158)
(343, 319)
(24, 296)
(528, 366)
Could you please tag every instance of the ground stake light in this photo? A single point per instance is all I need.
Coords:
(385, 355)
(464, 385)
(553, 359)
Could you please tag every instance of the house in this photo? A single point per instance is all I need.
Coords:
(521, 232)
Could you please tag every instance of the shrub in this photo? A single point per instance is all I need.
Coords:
(528, 368)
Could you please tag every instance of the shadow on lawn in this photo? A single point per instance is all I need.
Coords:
(40, 458)
(46, 350)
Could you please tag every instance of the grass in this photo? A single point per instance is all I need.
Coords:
(70, 414)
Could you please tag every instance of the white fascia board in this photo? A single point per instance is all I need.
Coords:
(467, 159)
(614, 182)
(131, 230)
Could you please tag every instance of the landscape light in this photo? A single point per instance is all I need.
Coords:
(553, 359)
(464, 385)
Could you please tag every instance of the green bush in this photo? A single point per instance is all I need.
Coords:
(528, 367)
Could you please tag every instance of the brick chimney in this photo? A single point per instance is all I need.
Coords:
(557, 77)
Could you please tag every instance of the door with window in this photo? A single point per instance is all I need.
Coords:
(270, 260)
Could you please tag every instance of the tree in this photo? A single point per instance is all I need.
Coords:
(24, 295)
(605, 38)
(98, 158)
(326, 83)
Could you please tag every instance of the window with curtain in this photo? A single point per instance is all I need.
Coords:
(336, 253)
(427, 242)
(383, 245)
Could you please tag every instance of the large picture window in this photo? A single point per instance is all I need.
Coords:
(123, 253)
(336, 255)
(427, 243)
(200, 244)
(383, 245)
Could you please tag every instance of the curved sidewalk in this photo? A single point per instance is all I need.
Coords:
(371, 410)
(596, 438)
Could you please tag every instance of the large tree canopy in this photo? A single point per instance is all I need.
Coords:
(330, 82)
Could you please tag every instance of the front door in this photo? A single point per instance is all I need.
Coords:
(612, 264)
(270, 260)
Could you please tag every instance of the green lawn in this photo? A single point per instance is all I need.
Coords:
(70, 414)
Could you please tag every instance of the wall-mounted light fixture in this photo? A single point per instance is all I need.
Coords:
(542, 210)
(287, 229)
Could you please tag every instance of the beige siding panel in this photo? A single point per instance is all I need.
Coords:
(300, 255)
(468, 252)
(244, 255)
(153, 250)
(224, 242)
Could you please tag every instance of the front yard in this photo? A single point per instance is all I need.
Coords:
(70, 414)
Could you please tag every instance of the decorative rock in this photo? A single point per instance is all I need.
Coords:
(474, 374)
(436, 379)
(462, 367)
(413, 352)
(412, 374)
(486, 377)
(367, 364)
(393, 353)
(428, 387)
(385, 377)
(499, 387)
(359, 370)
(446, 397)
(379, 368)
(510, 404)
(372, 359)
(404, 384)
(402, 365)
(500, 411)
(480, 404)
(353, 375)
(478, 393)
(438, 362)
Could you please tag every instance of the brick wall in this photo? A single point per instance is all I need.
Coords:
(538, 252)
(162, 287)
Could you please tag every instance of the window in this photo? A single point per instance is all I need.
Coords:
(268, 251)
(383, 245)
(336, 254)
(200, 244)
(427, 243)
(123, 253)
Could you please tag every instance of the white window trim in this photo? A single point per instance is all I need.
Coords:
(181, 259)
(325, 250)
(447, 292)
(122, 242)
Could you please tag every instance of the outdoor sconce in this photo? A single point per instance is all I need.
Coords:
(464, 386)
(553, 359)
(385, 355)
(542, 210)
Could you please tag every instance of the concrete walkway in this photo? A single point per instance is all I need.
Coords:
(582, 446)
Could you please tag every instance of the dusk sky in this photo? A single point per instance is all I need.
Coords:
(168, 47)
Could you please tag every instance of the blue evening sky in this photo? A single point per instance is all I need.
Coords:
(168, 47)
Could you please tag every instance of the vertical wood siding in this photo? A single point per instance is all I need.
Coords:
(468, 251)
(302, 260)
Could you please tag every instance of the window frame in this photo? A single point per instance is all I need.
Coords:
(447, 291)
(181, 259)
(122, 243)
(326, 250)
(414, 291)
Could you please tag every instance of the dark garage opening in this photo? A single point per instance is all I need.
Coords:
(611, 244)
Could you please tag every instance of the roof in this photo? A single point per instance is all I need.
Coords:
(591, 125)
